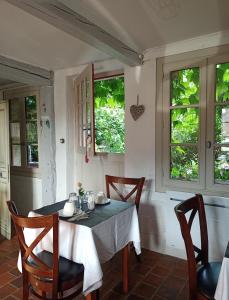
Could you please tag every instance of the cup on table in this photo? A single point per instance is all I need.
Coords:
(69, 208)
(72, 197)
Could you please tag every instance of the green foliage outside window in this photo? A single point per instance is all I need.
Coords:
(184, 124)
(185, 89)
(109, 115)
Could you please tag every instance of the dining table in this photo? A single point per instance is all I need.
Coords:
(222, 288)
(93, 241)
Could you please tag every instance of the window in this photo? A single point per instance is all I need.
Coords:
(24, 132)
(100, 112)
(109, 114)
(193, 113)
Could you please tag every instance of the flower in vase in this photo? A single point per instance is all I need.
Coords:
(80, 189)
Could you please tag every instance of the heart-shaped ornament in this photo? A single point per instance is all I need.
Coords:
(136, 111)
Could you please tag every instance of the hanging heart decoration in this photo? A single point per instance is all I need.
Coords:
(137, 110)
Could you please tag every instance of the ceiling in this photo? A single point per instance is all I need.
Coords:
(144, 24)
(28, 39)
(4, 82)
(140, 24)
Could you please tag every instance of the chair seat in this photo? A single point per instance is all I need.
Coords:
(207, 278)
(67, 269)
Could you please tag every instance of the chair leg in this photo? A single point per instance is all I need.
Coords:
(25, 286)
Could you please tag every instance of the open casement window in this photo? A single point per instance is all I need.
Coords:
(24, 137)
(193, 113)
(84, 111)
(100, 112)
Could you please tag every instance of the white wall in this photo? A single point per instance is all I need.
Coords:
(159, 227)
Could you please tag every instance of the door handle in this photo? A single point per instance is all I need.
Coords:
(209, 144)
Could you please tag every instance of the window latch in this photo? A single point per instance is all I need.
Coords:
(209, 144)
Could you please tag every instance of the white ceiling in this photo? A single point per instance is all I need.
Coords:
(4, 82)
(141, 24)
(28, 39)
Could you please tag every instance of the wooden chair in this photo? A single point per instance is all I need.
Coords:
(137, 184)
(46, 274)
(203, 276)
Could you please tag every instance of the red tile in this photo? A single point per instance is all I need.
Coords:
(6, 290)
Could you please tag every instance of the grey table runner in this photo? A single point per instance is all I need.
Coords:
(100, 214)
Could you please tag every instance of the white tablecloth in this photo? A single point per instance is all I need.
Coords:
(222, 289)
(92, 246)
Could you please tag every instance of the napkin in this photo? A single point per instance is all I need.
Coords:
(78, 217)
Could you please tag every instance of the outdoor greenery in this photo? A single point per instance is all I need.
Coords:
(31, 130)
(109, 115)
(185, 122)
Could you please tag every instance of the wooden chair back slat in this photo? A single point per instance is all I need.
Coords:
(194, 206)
(38, 272)
(137, 184)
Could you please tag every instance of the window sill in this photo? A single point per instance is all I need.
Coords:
(204, 192)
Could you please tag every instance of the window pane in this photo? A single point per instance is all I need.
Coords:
(222, 82)
(31, 108)
(185, 87)
(15, 132)
(31, 132)
(16, 155)
(222, 124)
(184, 163)
(109, 115)
(32, 155)
(184, 125)
(15, 114)
(222, 165)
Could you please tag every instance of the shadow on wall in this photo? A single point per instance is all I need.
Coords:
(148, 219)
(26, 192)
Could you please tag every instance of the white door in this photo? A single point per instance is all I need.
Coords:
(5, 220)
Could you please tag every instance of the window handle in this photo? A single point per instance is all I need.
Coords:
(209, 144)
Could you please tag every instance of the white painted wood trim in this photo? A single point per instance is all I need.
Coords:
(68, 20)
(24, 73)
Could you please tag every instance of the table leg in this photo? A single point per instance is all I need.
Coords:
(93, 295)
(125, 259)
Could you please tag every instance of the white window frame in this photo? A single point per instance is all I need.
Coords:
(24, 169)
(206, 60)
(85, 140)
(84, 125)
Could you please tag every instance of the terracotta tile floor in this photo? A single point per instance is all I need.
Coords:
(157, 277)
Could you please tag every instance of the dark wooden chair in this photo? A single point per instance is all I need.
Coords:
(45, 274)
(137, 183)
(203, 275)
